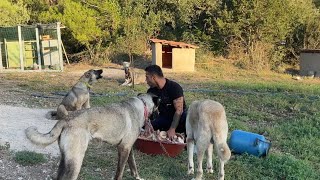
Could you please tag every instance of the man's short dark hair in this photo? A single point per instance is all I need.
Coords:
(154, 70)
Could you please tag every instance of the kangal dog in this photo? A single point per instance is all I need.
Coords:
(206, 125)
(78, 97)
(118, 124)
(131, 77)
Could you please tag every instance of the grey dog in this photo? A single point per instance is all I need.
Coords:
(78, 97)
(131, 77)
(206, 125)
(118, 124)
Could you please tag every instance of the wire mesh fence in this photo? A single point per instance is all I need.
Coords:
(36, 47)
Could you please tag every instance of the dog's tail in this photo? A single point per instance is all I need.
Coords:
(38, 138)
(222, 148)
(224, 152)
(220, 138)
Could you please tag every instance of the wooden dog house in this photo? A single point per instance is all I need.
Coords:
(310, 62)
(177, 56)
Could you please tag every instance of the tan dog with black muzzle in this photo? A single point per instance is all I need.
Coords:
(78, 97)
(117, 124)
(131, 77)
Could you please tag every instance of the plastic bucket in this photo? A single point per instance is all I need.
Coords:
(247, 142)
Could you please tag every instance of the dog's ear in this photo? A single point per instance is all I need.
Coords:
(152, 95)
(156, 100)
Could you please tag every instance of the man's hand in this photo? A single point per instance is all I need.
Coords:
(171, 133)
(178, 105)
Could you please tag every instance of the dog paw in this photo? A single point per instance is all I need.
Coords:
(191, 171)
(221, 176)
(210, 170)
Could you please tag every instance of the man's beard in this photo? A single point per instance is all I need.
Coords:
(152, 85)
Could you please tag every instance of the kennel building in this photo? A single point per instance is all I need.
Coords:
(177, 56)
(31, 47)
(310, 62)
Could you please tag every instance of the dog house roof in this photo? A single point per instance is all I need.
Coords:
(174, 43)
(310, 51)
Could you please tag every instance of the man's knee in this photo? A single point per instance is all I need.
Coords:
(161, 123)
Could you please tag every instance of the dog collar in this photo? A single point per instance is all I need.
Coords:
(88, 85)
(145, 109)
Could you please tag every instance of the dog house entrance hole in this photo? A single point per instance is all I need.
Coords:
(166, 56)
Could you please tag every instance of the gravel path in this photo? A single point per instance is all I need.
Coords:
(14, 121)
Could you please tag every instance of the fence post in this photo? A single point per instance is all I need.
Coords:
(59, 45)
(38, 48)
(20, 48)
(0, 57)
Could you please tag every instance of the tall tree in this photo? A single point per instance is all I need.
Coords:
(316, 2)
(269, 22)
(13, 13)
(138, 24)
(88, 23)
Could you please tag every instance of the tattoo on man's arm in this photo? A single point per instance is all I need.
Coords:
(178, 105)
(175, 121)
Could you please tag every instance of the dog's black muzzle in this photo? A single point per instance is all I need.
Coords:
(155, 112)
(98, 73)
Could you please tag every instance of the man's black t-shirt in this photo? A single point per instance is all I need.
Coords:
(168, 93)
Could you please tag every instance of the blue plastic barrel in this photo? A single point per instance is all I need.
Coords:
(247, 142)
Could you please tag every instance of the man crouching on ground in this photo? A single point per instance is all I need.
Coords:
(172, 108)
